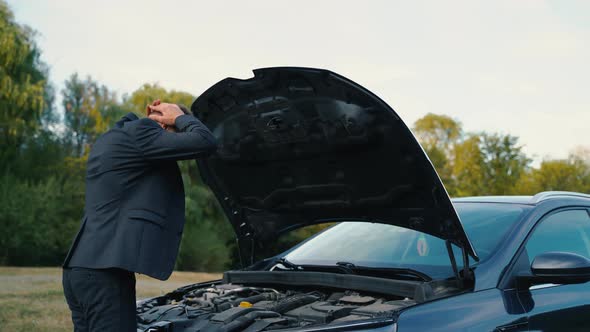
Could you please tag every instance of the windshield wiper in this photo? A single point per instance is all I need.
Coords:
(385, 271)
(351, 268)
(287, 264)
(318, 268)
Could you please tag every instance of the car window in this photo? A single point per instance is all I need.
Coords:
(486, 224)
(567, 231)
(381, 245)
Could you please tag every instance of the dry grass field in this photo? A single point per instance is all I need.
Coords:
(31, 299)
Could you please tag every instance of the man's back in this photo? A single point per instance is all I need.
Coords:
(134, 212)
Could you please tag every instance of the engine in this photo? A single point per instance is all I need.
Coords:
(234, 307)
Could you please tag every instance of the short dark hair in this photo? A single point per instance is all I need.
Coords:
(184, 109)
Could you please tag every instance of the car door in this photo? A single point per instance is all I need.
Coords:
(553, 307)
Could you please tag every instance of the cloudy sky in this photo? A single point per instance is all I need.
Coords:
(517, 67)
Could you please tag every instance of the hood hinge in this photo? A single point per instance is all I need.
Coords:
(245, 239)
(453, 261)
(467, 274)
(246, 250)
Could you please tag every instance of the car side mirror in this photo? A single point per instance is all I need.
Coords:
(560, 268)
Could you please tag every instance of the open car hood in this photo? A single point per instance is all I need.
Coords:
(302, 146)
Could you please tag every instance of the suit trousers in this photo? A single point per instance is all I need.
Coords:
(100, 299)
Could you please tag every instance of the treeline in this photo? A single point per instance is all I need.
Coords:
(474, 164)
(44, 148)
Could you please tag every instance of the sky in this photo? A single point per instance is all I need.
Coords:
(512, 67)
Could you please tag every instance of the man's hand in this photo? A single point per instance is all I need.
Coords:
(164, 113)
(147, 107)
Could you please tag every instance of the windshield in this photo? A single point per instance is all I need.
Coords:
(381, 245)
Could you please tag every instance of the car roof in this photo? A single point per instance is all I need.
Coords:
(529, 200)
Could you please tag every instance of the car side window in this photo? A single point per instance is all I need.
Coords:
(567, 231)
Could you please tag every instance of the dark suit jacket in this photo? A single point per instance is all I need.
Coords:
(134, 213)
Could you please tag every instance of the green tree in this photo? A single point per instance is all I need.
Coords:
(469, 167)
(489, 164)
(438, 134)
(572, 174)
(89, 110)
(437, 130)
(38, 219)
(24, 90)
(37, 198)
(504, 162)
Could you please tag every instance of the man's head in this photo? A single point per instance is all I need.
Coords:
(165, 114)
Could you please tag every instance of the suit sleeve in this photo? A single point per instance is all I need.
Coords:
(193, 139)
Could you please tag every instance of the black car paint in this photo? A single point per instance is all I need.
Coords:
(293, 146)
(561, 265)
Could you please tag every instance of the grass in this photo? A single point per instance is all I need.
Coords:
(31, 299)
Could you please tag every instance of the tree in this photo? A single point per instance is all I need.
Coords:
(468, 169)
(24, 89)
(488, 164)
(90, 109)
(438, 135)
(437, 130)
(572, 174)
(38, 219)
(504, 163)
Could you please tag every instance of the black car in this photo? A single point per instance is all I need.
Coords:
(300, 146)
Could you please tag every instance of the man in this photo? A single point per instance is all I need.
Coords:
(134, 214)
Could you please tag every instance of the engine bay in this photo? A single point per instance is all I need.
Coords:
(234, 307)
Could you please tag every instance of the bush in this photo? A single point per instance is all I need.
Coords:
(38, 220)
